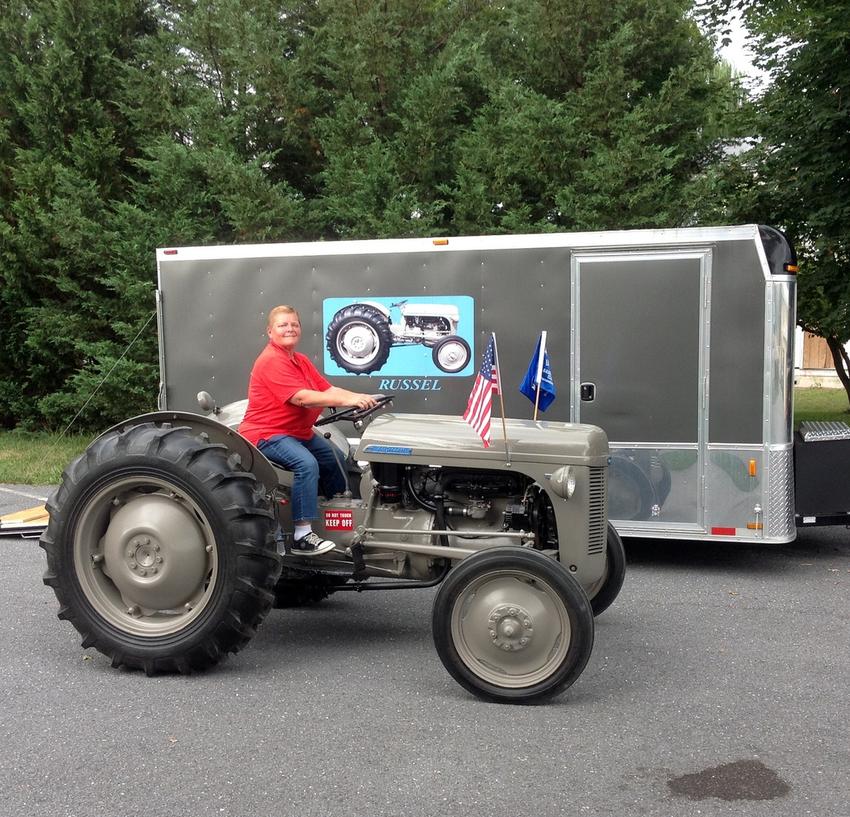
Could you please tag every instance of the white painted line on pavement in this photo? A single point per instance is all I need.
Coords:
(23, 493)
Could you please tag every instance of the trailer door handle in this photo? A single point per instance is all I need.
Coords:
(588, 392)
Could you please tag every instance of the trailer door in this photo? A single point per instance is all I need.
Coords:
(639, 372)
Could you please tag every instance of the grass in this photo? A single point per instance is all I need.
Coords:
(821, 404)
(38, 459)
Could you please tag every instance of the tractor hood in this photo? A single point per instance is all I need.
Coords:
(448, 311)
(436, 438)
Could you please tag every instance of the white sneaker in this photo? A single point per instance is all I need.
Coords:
(311, 545)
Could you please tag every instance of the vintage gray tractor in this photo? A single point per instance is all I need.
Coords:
(360, 335)
(162, 546)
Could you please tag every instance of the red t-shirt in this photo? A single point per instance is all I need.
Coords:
(274, 379)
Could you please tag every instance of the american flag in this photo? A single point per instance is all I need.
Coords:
(480, 406)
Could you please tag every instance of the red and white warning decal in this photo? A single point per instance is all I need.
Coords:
(339, 520)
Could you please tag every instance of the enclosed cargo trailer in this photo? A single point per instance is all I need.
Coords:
(678, 343)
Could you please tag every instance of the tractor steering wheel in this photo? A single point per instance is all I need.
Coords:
(354, 414)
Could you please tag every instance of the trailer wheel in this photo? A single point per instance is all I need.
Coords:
(630, 491)
(451, 354)
(359, 338)
(603, 593)
(159, 549)
(512, 625)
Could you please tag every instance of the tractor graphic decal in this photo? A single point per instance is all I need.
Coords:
(413, 336)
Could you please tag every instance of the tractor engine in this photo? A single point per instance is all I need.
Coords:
(424, 324)
(466, 500)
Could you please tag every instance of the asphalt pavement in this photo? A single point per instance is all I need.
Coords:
(718, 685)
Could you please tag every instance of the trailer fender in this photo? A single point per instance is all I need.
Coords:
(252, 459)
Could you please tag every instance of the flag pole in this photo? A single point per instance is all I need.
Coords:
(539, 378)
(501, 399)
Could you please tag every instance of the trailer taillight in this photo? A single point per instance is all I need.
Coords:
(169, 252)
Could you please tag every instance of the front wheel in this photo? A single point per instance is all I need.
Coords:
(451, 354)
(512, 625)
(159, 549)
(603, 593)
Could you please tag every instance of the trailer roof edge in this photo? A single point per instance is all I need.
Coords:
(588, 240)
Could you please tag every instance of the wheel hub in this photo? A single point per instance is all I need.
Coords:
(451, 355)
(359, 342)
(143, 555)
(511, 627)
(155, 553)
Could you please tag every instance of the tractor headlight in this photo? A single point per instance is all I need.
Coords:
(564, 481)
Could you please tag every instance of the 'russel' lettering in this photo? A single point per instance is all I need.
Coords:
(409, 384)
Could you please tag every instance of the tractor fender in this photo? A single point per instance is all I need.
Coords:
(252, 459)
(375, 305)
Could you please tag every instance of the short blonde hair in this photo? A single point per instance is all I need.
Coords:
(282, 309)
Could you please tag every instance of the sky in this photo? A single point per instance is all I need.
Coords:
(739, 56)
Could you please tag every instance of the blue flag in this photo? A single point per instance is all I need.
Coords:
(546, 384)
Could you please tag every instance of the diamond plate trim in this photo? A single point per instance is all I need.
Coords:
(780, 499)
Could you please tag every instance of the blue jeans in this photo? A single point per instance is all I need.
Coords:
(315, 463)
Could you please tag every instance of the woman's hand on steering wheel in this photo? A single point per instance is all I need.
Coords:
(356, 414)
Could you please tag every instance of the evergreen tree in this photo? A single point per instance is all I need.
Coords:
(589, 128)
(131, 124)
(73, 296)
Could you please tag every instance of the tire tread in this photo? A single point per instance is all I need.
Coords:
(246, 518)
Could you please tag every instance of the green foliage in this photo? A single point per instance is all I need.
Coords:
(131, 124)
(73, 291)
(796, 175)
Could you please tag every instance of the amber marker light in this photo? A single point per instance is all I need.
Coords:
(752, 468)
(440, 242)
(791, 268)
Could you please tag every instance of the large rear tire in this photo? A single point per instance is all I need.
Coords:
(160, 549)
(512, 625)
(359, 339)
